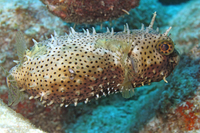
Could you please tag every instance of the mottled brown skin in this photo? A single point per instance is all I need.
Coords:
(76, 85)
(89, 11)
(151, 66)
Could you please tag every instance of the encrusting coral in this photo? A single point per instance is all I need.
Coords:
(81, 66)
(89, 11)
(12, 122)
(186, 31)
(185, 117)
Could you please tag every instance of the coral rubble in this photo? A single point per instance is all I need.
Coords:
(12, 122)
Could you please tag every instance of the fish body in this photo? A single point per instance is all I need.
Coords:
(82, 66)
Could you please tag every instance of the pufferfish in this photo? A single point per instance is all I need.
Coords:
(78, 67)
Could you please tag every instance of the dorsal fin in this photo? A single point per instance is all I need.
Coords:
(20, 46)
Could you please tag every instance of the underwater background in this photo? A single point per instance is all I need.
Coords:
(172, 107)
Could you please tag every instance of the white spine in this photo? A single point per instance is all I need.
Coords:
(55, 34)
(124, 28)
(84, 31)
(108, 31)
(88, 33)
(72, 30)
(94, 31)
(167, 31)
(112, 31)
(152, 20)
(127, 28)
(142, 27)
(35, 42)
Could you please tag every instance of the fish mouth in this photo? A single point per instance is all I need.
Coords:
(146, 75)
(175, 58)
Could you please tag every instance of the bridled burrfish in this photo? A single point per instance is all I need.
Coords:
(81, 66)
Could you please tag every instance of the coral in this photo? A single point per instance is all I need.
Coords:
(172, 2)
(184, 117)
(10, 121)
(195, 52)
(48, 119)
(136, 17)
(186, 29)
(89, 11)
(187, 115)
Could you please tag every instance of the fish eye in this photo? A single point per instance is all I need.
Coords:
(165, 47)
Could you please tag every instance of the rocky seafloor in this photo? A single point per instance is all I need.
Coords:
(172, 107)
